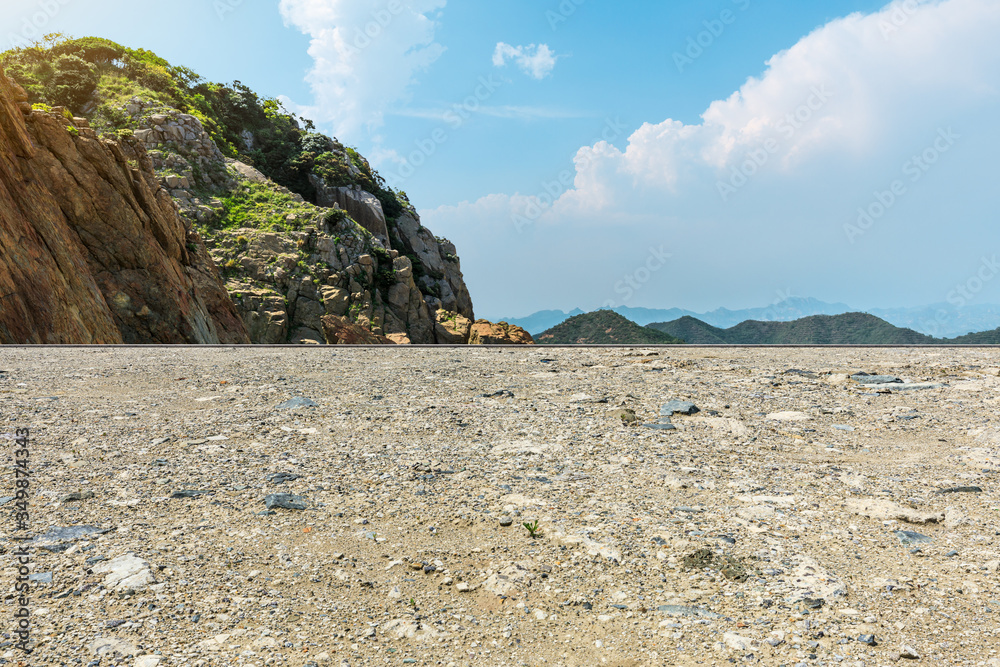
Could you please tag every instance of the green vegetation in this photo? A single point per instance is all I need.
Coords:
(980, 338)
(385, 275)
(846, 329)
(98, 78)
(261, 206)
(603, 327)
(532, 528)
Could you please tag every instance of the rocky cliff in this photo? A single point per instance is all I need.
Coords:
(300, 261)
(92, 249)
(200, 212)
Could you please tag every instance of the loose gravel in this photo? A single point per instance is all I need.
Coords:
(505, 506)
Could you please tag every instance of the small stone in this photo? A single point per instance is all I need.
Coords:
(867, 639)
(297, 402)
(684, 610)
(661, 426)
(463, 587)
(908, 653)
(284, 501)
(962, 489)
(865, 378)
(506, 521)
(281, 477)
(126, 571)
(78, 495)
(678, 407)
(190, 493)
(909, 538)
(41, 577)
(111, 648)
(503, 393)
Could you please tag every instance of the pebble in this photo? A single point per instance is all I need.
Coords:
(297, 402)
(909, 537)
(284, 501)
(281, 477)
(676, 407)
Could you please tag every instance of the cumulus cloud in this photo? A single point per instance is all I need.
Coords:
(783, 166)
(366, 55)
(537, 61)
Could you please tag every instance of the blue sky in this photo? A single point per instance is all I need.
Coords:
(611, 159)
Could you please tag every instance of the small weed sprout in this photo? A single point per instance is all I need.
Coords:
(532, 528)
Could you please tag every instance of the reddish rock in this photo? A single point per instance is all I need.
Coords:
(91, 248)
(452, 328)
(485, 332)
(341, 331)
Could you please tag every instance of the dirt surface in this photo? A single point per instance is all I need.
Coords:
(798, 517)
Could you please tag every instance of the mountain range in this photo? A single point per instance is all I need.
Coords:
(940, 320)
(608, 327)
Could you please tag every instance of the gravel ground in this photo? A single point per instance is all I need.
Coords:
(801, 516)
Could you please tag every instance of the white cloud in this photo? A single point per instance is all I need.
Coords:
(535, 61)
(759, 193)
(365, 56)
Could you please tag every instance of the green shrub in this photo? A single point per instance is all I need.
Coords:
(73, 131)
(73, 83)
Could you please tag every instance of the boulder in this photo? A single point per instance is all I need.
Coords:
(452, 328)
(484, 332)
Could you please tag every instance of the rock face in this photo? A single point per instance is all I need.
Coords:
(341, 331)
(93, 250)
(363, 206)
(437, 265)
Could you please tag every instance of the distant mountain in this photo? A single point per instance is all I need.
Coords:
(981, 338)
(846, 329)
(603, 327)
(941, 320)
(790, 309)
